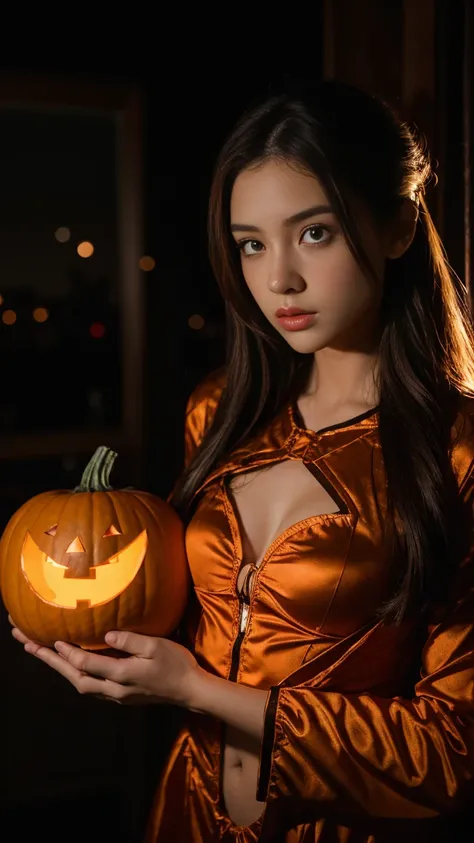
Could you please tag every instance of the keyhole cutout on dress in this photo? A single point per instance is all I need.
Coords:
(268, 501)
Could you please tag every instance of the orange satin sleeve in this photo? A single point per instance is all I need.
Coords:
(200, 411)
(396, 758)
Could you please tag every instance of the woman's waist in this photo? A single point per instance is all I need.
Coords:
(259, 657)
(374, 659)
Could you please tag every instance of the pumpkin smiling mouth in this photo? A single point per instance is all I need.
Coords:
(104, 582)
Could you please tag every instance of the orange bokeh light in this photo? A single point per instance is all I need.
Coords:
(85, 249)
(9, 317)
(147, 263)
(40, 314)
(196, 322)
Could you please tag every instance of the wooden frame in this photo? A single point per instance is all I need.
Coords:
(125, 102)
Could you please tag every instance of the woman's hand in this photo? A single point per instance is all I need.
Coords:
(157, 671)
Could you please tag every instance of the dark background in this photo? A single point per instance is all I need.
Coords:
(73, 768)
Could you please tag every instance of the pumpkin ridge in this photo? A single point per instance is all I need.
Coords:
(52, 496)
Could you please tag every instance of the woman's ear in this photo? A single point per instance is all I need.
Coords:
(403, 230)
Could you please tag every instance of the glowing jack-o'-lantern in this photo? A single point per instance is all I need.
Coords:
(76, 564)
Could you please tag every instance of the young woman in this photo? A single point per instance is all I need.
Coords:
(326, 663)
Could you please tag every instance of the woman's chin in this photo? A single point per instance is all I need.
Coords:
(305, 342)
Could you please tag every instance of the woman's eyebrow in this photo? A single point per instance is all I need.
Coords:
(299, 217)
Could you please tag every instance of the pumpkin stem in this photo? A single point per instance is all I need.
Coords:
(96, 476)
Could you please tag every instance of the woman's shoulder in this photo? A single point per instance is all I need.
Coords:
(207, 393)
(201, 407)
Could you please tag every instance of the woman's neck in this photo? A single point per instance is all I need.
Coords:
(343, 378)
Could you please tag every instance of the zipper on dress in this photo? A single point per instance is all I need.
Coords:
(244, 610)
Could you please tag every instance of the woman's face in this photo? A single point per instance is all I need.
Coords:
(294, 256)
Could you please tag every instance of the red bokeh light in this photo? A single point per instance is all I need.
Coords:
(97, 330)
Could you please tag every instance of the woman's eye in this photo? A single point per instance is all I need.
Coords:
(250, 247)
(315, 235)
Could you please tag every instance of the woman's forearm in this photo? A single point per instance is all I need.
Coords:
(235, 704)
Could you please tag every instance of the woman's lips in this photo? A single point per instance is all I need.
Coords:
(296, 321)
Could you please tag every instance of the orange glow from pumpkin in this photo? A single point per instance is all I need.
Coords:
(76, 546)
(104, 583)
(112, 531)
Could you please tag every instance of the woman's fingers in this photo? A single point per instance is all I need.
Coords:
(21, 637)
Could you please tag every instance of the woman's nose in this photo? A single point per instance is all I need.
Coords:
(284, 278)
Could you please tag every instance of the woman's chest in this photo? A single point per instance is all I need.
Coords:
(268, 503)
(288, 537)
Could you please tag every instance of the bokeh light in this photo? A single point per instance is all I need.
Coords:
(147, 263)
(85, 249)
(9, 317)
(69, 463)
(40, 314)
(97, 330)
(196, 322)
(62, 234)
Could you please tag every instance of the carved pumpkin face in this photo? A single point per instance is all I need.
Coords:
(74, 565)
(78, 577)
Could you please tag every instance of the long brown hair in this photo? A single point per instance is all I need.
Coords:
(356, 146)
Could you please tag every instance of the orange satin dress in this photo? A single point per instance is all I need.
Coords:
(369, 729)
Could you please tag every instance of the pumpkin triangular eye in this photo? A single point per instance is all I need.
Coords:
(112, 531)
(52, 531)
